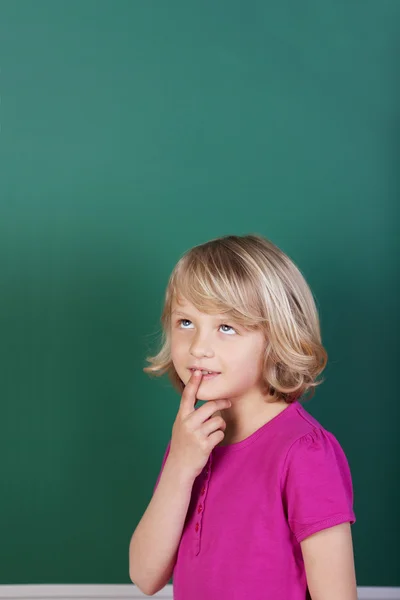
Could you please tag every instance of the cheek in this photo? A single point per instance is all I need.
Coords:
(179, 355)
(246, 359)
(246, 368)
(246, 376)
(175, 359)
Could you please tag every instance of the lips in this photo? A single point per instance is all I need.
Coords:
(193, 369)
(207, 376)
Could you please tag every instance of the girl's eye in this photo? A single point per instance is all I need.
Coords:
(187, 321)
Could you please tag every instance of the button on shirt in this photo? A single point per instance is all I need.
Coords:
(252, 505)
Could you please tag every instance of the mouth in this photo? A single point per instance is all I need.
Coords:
(207, 375)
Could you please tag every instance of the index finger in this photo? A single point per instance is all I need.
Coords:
(188, 399)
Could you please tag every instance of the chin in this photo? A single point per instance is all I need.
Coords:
(211, 395)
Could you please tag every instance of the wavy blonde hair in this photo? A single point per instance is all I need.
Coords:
(252, 281)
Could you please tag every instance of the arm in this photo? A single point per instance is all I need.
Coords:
(155, 541)
(329, 564)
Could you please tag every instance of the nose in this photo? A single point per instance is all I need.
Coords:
(200, 346)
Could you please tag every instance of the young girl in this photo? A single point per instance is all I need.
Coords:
(254, 498)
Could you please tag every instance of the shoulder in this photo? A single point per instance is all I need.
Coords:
(311, 449)
(301, 427)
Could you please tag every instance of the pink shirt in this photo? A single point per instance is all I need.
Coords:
(252, 505)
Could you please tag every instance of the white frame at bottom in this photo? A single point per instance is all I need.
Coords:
(122, 591)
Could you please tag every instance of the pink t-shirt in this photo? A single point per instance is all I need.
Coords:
(252, 505)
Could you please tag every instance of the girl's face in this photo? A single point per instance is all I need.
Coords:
(216, 343)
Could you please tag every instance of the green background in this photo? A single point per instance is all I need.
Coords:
(131, 131)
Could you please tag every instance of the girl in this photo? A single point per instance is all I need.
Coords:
(254, 499)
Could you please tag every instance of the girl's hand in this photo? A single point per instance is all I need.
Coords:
(194, 433)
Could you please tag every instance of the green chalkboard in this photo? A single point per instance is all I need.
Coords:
(131, 131)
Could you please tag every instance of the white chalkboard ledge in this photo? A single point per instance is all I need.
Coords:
(112, 592)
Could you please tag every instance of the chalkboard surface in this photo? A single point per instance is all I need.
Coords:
(131, 131)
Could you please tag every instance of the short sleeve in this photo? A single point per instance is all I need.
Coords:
(164, 460)
(317, 487)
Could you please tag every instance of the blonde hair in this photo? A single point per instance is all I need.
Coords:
(251, 280)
